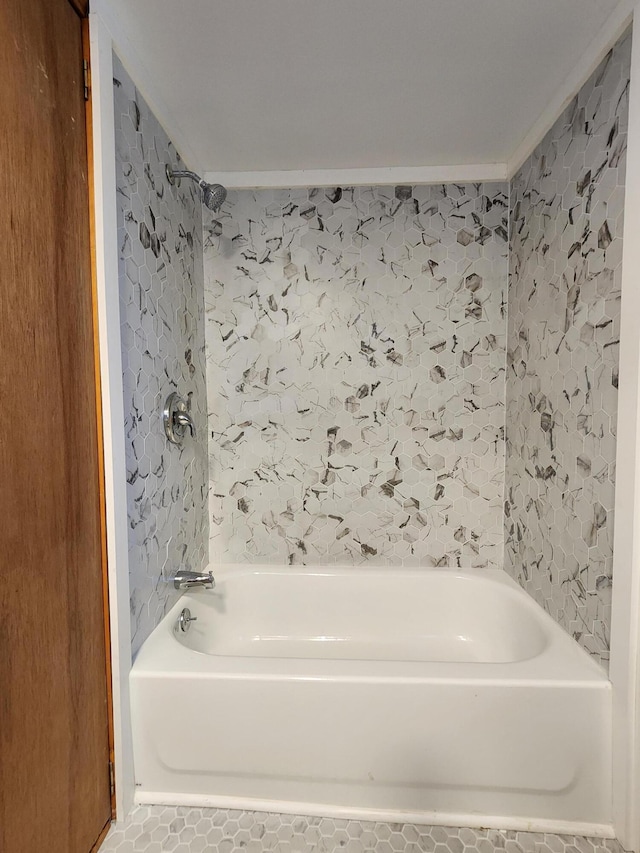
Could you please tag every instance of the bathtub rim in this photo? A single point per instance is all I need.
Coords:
(562, 661)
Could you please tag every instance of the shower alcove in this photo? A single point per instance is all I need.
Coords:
(401, 380)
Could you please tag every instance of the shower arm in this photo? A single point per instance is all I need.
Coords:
(172, 174)
(213, 195)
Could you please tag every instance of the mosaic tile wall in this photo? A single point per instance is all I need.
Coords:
(153, 829)
(162, 311)
(562, 377)
(356, 372)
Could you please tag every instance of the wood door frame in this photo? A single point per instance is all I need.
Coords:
(86, 52)
(81, 7)
(105, 232)
(100, 838)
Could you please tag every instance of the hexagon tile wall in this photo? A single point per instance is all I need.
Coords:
(162, 309)
(355, 369)
(562, 378)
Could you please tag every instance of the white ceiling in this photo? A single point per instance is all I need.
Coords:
(263, 85)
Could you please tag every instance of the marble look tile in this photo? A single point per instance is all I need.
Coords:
(355, 368)
(153, 829)
(162, 314)
(562, 377)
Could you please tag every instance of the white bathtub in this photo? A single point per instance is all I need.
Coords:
(426, 696)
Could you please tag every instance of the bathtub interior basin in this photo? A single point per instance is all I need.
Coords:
(365, 615)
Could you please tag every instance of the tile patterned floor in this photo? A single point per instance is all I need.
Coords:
(160, 829)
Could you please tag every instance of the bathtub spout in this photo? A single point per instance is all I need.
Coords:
(188, 580)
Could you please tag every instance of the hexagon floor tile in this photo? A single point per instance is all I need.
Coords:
(156, 829)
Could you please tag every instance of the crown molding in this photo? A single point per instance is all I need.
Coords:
(377, 176)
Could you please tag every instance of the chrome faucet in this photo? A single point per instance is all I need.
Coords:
(177, 419)
(188, 580)
(184, 419)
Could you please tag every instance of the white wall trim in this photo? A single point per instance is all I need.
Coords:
(112, 403)
(616, 24)
(625, 633)
(483, 172)
(144, 82)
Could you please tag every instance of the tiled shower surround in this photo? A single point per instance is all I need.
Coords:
(161, 303)
(355, 364)
(357, 347)
(355, 358)
(562, 378)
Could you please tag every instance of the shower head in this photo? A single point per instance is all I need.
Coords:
(213, 195)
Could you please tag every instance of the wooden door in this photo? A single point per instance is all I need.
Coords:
(54, 745)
